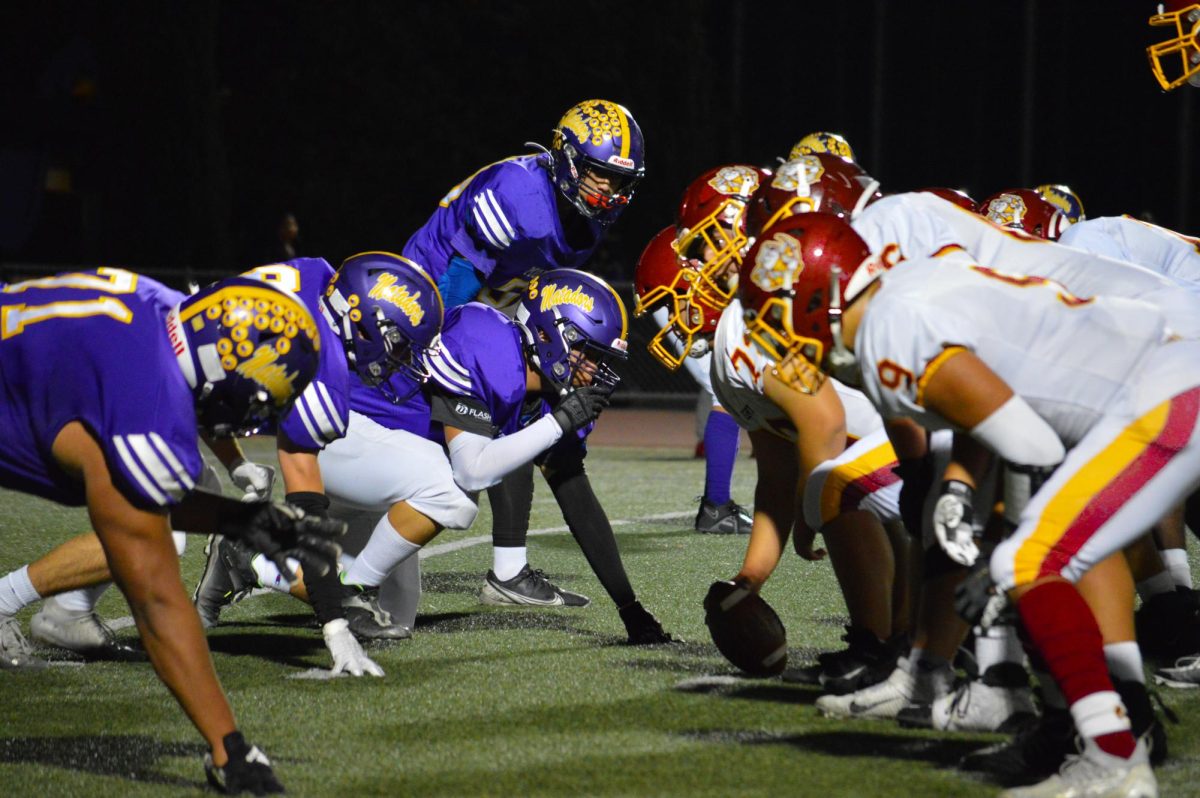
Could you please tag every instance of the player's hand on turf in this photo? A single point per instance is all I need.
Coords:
(348, 656)
(248, 769)
(802, 540)
(253, 480)
(279, 531)
(976, 599)
(952, 522)
(580, 407)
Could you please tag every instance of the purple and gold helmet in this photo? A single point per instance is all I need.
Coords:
(1063, 198)
(568, 316)
(601, 138)
(247, 349)
(387, 311)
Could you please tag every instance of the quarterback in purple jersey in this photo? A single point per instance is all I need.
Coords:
(107, 375)
(525, 214)
(377, 314)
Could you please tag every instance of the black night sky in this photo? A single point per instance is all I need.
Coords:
(174, 135)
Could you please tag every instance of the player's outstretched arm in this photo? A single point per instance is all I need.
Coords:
(774, 506)
(146, 567)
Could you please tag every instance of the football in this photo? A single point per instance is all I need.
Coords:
(745, 628)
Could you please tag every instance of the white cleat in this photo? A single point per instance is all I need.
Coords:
(15, 651)
(984, 705)
(1184, 675)
(886, 699)
(80, 631)
(1095, 774)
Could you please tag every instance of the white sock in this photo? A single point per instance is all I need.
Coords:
(1098, 714)
(83, 600)
(1176, 561)
(1161, 582)
(384, 551)
(268, 573)
(1125, 661)
(507, 561)
(997, 644)
(16, 592)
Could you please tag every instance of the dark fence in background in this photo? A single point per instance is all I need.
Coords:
(644, 381)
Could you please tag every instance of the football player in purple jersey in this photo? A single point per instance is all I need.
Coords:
(519, 217)
(503, 395)
(379, 312)
(108, 376)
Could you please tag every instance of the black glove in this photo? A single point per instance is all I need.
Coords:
(918, 480)
(580, 407)
(973, 595)
(248, 769)
(279, 531)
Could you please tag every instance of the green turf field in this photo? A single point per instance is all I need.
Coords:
(490, 701)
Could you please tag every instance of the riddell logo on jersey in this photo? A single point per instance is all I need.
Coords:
(178, 344)
(385, 288)
(553, 296)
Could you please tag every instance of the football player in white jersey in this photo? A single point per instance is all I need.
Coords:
(1096, 398)
(1125, 238)
(852, 489)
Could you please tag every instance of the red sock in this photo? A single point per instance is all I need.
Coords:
(1063, 630)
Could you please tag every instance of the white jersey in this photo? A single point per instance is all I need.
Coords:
(738, 369)
(920, 225)
(1124, 238)
(1070, 358)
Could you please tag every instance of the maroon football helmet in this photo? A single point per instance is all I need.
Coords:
(1025, 209)
(956, 195)
(819, 182)
(798, 277)
(663, 278)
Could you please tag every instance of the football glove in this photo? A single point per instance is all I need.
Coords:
(580, 407)
(952, 522)
(976, 599)
(253, 480)
(279, 531)
(348, 656)
(248, 769)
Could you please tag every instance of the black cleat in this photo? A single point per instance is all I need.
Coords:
(228, 577)
(729, 518)
(1035, 753)
(367, 620)
(529, 588)
(1168, 626)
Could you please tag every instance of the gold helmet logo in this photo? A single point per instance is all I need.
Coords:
(1006, 210)
(798, 175)
(778, 263)
(735, 181)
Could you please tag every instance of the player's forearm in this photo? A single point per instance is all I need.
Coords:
(300, 470)
(480, 462)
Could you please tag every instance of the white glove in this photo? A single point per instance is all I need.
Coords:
(952, 522)
(254, 480)
(348, 656)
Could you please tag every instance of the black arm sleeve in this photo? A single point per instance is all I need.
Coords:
(463, 412)
(324, 592)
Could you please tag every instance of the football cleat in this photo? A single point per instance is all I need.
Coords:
(82, 632)
(15, 651)
(1096, 774)
(1143, 720)
(643, 628)
(999, 701)
(1035, 752)
(228, 577)
(886, 699)
(745, 629)
(1185, 674)
(866, 661)
(529, 588)
(247, 769)
(369, 621)
(729, 518)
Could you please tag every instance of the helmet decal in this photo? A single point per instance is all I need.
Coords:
(598, 121)
(778, 263)
(736, 180)
(798, 174)
(555, 295)
(1007, 210)
(385, 289)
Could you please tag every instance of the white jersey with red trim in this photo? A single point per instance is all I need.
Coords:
(737, 381)
(1071, 358)
(1157, 248)
(919, 225)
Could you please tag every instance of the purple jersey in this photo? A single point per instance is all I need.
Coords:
(397, 404)
(94, 347)
(321, 412)
(504, 219)
(478, 372)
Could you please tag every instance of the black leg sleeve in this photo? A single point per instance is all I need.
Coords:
(511, 500)
(324, 592)
(589, 524)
